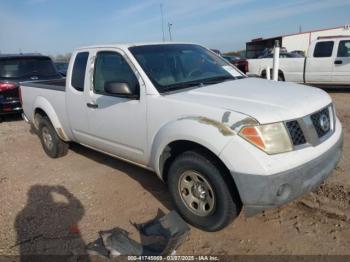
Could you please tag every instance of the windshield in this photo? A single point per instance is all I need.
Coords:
(177, 66)
(24, 67)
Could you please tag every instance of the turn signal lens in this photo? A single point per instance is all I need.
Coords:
(271, 138)
(251, 134)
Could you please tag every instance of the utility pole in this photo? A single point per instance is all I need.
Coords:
(169, 27)
(162, 14)
(276, 60)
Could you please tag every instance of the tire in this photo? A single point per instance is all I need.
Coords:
(221, 206)
(280, 76)
(53, 146)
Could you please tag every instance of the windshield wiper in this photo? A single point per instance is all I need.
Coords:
(217, 79)
(178, 86)
(199, 83)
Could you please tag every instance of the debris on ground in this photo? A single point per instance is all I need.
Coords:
(160, 236)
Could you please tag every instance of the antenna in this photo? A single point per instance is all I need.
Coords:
(161, 12)
(300, 29)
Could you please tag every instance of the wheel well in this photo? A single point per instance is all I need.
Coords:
(174, 149)
(280, 73)
(41, 113)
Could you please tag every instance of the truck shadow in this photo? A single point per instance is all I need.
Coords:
(336, 89)
(10, 118)
(333, 89)
(147, 179)
(48, 224)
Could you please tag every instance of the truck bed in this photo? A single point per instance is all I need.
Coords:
(48, 95)
(56, 84)
(292, 68)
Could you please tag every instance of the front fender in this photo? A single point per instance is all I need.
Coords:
(43, 104)
(209, 133)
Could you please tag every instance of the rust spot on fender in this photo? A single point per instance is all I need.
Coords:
(222, 128)
(245, 122)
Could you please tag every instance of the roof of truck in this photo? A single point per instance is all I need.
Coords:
(22, 55)
(127, 45)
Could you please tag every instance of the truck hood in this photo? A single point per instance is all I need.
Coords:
(266, 101)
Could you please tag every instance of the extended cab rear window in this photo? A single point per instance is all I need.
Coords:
(79, 68)
(26, 67)
(324, 49)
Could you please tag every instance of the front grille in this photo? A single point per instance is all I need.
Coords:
(296, 133)
(321, 130)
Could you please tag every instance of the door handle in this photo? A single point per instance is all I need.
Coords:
(338, 62)
(92, 105)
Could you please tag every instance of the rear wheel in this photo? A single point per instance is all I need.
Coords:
(280, 76)
(53, 146)
(200, 192)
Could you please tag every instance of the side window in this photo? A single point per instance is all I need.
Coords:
(79, 68)
(112, 67)
(324, 49)
(344, 48)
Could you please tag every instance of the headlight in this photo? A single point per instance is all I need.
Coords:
(271, 138)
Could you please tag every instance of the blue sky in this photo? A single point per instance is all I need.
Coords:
(59, 26)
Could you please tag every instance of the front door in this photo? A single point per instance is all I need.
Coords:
(319, 65)
(341, 71)
(117, 123)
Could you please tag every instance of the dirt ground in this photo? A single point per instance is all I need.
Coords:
(62, 204)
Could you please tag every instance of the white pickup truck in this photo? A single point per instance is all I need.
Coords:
(221, 141)
(327, 63)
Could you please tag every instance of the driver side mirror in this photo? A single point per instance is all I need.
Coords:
(120, 89)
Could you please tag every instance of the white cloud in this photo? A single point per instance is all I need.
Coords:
(134, 10)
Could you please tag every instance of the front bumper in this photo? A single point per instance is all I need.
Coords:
(261, 192)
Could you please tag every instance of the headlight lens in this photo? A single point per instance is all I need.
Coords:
(271, 138)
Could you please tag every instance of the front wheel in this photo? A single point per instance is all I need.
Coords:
(200, 192)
